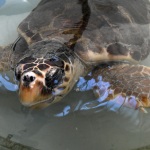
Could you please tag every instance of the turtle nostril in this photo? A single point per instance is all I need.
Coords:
(28, 78)
(24, 78)
(32, 78)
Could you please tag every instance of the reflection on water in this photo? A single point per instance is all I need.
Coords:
(79, 121)
(5, 83)
(83, 85)
(2, 2)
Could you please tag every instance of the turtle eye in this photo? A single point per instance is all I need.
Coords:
(55, 61)
(53, 78)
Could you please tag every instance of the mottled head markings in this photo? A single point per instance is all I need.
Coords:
(42, 80)
(67, 68)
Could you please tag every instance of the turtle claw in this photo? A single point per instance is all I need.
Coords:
(141, 106)
(143, 110)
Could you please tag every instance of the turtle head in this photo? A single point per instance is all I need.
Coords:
(42, 81)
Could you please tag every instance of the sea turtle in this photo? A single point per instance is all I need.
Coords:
(62, 40)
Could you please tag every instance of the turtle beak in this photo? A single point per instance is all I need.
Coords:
(30, 89)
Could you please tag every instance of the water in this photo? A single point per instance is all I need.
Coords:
(77, 122)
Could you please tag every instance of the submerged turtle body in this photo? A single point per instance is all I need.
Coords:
(62, 40)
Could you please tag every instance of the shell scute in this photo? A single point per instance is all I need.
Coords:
(96, 31)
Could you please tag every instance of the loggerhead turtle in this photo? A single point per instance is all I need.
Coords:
(62, 40)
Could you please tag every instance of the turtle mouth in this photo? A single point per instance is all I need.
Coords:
(36, 89)
(38, 103)
(36, 94)
(43, 84)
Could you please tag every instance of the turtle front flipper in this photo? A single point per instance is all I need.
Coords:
(5, 58)
(128, 82)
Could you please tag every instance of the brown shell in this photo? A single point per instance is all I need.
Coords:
(97, 30)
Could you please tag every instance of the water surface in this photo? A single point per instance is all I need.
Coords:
(79, 121)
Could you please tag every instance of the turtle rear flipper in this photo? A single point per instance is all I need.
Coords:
(5, 58)
(128, 82)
